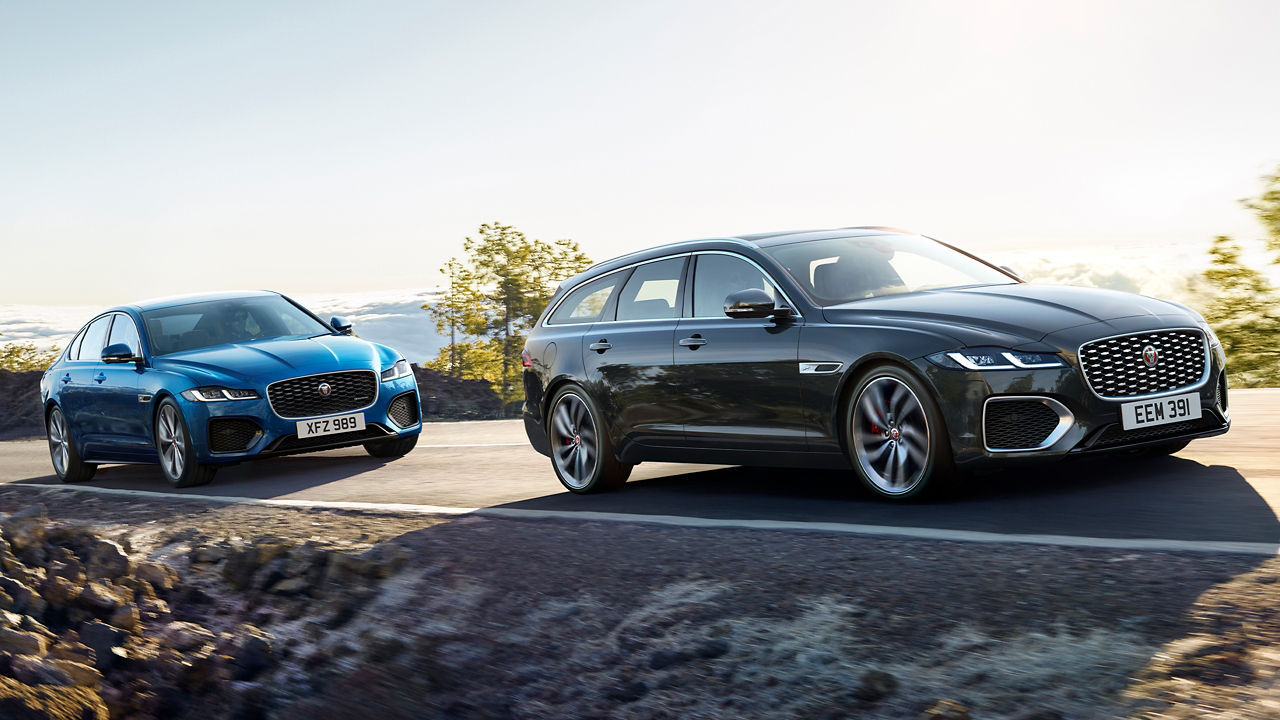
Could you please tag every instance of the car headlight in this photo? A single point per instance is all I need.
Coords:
(215, 393)
(397, 371)
(1214, 342)
(993, 358)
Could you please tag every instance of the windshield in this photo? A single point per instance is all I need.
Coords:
(844, 269)
(222, 322)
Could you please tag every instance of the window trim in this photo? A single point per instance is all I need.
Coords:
(98, 359)
(773, 281)
(608, 304)
(136, 331)
(612, 301)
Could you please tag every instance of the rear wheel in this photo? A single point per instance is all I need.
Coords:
(177, 454)
(896, 438)
(66, 461)
(581, 453)
(393, 448)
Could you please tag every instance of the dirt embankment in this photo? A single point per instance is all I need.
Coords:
(443, 398)
(297, 614)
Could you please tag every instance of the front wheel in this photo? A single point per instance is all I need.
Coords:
(66, 461)
(394, 448)
(580, 449)
(896, 437)
(177, 454)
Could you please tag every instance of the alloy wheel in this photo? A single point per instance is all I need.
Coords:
(172, 441)
(573, 441)
(890, 435)
(58, 442)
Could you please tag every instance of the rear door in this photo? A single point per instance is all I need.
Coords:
(629, 358)
(740, 377)
(80, 378)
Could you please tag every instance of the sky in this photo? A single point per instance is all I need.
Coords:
(153, 148)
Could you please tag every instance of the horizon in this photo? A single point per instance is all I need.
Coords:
(154, 148)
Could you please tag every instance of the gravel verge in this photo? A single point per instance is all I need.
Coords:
(500, 618)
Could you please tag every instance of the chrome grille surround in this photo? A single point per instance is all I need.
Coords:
(1114, 368)
(298, 397)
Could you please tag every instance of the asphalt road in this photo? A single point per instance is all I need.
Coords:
(1220, 489)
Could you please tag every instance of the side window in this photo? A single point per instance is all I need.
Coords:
(652, 292)
(124, 331)
(95, 338)
(587, 302)
(717, 276)
(73, 348)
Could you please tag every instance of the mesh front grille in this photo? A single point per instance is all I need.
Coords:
(232, 434)
(301, 397)
(1117, 367)
(1018, 424)
(1116, 435)
(404, 410)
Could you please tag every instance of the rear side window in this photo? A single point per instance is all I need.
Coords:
(652, 291)
(585, 304)
(124, 331)
(95, 338)
(718, 276)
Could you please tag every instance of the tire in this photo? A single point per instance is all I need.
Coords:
(581, 453)
(895, 435)
(393, 448)
(1163, 449)
(177, 454)
(62, 450)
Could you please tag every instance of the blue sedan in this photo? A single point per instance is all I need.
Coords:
(197, 382)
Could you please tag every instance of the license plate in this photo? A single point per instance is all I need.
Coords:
(331, 425)
(1149, 413)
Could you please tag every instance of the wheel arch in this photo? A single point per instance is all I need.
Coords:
(856, 371)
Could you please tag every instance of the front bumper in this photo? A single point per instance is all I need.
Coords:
(278, 436)
(1095, 425)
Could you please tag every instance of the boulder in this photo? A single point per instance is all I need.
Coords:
(25, 529)
(161, 577)
(126, 617)
(24, 599)
(101, 639)
(875, 685)
(101, 595)
(106, 559)
(945, 710)
(22, 642)
(252, 652)
(34, 670)
(184, 636)
(60, 590)
(46, 702)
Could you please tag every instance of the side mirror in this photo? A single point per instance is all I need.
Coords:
(1011, 271)
(118, 354)
(340, 325)
(753, 303)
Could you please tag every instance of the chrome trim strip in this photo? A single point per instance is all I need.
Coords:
(1184, 388)
(144, 398)
(1065, 421)
(377, 393)
(820, 368)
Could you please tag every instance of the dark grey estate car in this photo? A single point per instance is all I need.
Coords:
(892, 354)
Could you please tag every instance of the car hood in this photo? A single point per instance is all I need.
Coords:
(1010, 315)
(259, 362)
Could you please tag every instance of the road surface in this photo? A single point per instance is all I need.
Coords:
(1224, 489)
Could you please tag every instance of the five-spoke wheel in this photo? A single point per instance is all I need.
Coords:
(177, 454)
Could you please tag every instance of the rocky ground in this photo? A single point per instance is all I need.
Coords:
(20, 414)
(180, 609)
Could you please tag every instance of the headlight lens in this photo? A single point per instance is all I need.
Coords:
(397, 371)
(993, 358)
(215, 393)
(1214, 342)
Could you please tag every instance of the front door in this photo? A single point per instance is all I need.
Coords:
(740, 376)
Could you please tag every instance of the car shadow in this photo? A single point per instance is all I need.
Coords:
(260, 479)
(1169, 498)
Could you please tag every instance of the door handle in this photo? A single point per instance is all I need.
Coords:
(601, 346)
(100, 378)
(693, 343)
(66, 378)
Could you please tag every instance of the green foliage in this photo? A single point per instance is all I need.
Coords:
(1244, 308)
(25, 357)
(492, 299)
